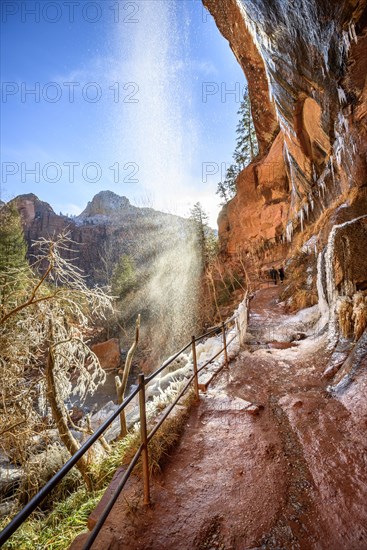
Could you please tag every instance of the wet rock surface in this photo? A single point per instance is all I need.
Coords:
(108, 353)
(292, 477)
(311, 57)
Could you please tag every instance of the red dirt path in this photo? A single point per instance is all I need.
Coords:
(292, 477)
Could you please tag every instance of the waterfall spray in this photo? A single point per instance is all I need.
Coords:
(160, 136)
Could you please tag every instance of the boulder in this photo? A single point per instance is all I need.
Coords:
(108, 353)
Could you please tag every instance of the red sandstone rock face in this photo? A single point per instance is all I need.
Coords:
(108, 354)
(314, 58)
(260, 208)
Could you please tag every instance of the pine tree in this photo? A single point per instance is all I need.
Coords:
(222, 191)
(205, 235)
(246, 144)
(245, 151)
(200, 220)
(124, 276)
(12, 244)
(227, 189)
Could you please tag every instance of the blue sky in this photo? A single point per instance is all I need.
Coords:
(134, 97)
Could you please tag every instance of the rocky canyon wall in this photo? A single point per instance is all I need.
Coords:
(306, 64)
(107, 228)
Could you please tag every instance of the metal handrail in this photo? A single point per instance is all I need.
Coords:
(96, 529)
(166, 363)
(7, 532)
(214, 330)
(15, 523)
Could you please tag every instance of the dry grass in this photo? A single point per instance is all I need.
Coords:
(168, 435)
(352, 315)
(345, 313)
(359, 313)
(56, 530)
(302, 299)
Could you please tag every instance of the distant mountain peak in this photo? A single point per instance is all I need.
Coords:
(105, 203)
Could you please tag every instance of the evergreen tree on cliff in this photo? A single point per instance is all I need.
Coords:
(124, 277)
(246, 144)
(245, 151)
(227, 189)
(205, 235)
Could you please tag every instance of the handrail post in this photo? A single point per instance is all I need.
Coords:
(144, 440)
(225, 345)
(196, 381)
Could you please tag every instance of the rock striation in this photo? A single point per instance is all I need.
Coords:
(306, 65)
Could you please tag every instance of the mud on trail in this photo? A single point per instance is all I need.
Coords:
(293, 476)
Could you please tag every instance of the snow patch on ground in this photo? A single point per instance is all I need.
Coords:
(164, 388)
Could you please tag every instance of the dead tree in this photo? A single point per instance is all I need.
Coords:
(121, 383)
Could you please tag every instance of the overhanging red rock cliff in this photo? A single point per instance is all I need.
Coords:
(312, 59)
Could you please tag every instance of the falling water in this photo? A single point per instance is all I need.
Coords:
(159, 133)
(158, 129)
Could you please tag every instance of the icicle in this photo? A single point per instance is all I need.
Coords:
(314, 173)
(322, 187)
(321, 290)
(294, 189)
(354, 149)
(270, 91)
(289, 231)
(352, 32)
(307, 210)
(271, 63)
(338, 149)
(284, 125)
(301, 217)
(338, 156)
(311, 201)
(342, 97)
(343, 122)
(331, 160)
(346, 41)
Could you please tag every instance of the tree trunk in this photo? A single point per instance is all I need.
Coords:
(122, 383)
(210, 278)
(61, 422)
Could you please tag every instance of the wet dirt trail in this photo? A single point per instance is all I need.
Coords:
(293, 476)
